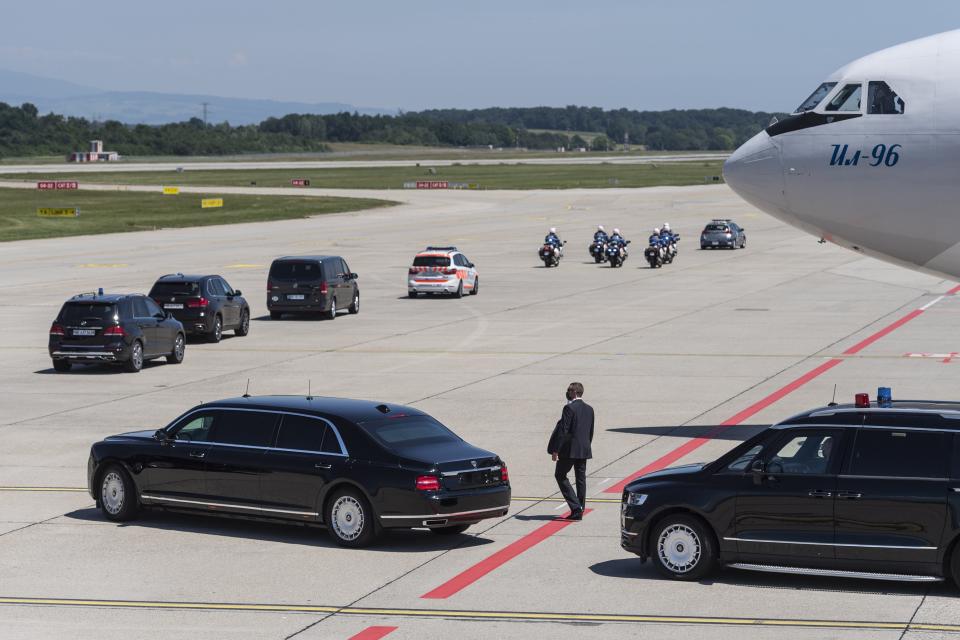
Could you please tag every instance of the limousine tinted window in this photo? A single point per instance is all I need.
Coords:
(197, 429)
(409, 431)
(307, 434)
(900, 454)
(248, 428)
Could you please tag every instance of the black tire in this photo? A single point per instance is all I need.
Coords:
(459, 291)
(275, 315)
(476, 286)
(953, 565)
(117, 495)
(354, 308)
(343, 510)
(179, 349)
(135, 363)
(683, 548)
(217, 333)
(332, 313)
(411, 294)
(244, 327)
(450, 530)
(743, 244)
(62, 366)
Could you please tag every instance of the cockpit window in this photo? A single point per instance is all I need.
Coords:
(881, 99)
(847, 99)
(811, 103)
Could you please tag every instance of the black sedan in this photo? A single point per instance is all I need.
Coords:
(356, 466)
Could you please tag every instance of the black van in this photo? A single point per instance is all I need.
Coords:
(842, 491)
(309, 284)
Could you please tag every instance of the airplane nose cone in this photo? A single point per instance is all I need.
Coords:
(755, 173)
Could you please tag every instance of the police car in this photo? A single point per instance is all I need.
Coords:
(442, 270)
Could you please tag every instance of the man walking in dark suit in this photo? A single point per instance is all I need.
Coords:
(569, 447)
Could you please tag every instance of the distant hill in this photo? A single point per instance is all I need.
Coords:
(144, 107)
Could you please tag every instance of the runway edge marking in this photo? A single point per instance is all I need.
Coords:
(506, 616)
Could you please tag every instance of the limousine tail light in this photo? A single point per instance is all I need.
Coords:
(56, 330)
(504, 474)
(428, 483)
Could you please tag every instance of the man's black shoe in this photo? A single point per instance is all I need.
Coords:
(576, 515)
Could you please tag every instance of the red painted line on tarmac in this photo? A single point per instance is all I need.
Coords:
(954, 291)
(509, 552)
(779, 394)
(373, 633)
(890, 328)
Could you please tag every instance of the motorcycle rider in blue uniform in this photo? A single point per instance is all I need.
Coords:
(600, 235)
(554, 239)
(619, 241)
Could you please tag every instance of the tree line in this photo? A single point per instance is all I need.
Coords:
(24, 131)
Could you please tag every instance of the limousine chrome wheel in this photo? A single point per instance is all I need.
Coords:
(117, 498)
(349, 520)
(684, 549)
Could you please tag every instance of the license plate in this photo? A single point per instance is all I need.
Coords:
(173, 306)
(295, 296)
(84, 332)
(715, 242)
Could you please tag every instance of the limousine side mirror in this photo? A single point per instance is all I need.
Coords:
(758, 469)
(161, 435)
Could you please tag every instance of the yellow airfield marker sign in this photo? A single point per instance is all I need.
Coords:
(211, 203)
(61, 212)
(171, 191)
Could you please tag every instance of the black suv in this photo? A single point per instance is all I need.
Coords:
(206, 305)
(356, 466)
(299, 284)
(121, 328)
(843, 491)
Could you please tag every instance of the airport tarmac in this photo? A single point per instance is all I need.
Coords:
(734, 338)
(560, 158)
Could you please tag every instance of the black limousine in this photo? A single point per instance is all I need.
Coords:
(355, 466)
(856, 491)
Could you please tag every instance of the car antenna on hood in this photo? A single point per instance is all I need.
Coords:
(246, 394)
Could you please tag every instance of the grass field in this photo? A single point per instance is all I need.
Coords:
(487, 176)
(111, 212)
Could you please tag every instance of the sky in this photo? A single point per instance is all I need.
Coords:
(635, 54)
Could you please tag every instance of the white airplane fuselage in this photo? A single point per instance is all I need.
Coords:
(876, 171)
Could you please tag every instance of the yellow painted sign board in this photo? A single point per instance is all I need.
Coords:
(62, 212)
(171, 191)
(211, 203)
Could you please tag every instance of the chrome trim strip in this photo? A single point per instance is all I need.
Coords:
(228, 505)
(459, 471)
(194, 443)
(430, 516)
(833, 544)
(343, 448)
(943, 479)
(624, 532)
(82, 354)
(834, 573)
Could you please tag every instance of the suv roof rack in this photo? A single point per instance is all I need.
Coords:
(441, 249)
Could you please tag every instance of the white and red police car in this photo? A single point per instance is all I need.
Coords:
(442, 270)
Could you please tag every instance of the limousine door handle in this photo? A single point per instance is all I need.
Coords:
(819, 494)
(849, 495)
(322, 465)
(197, 454)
